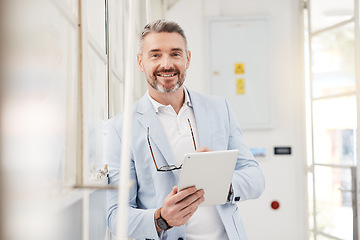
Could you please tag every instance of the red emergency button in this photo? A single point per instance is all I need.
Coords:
(275, 205)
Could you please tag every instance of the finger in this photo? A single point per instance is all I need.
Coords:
(183, 194)
(183, 216)
(179, 217)
(192, 198)
(188, 188)
(190, 214)
(203, 149)
(174, 190)
(172, 198)
(191, 209)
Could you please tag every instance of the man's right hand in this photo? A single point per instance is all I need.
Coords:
(178, 207)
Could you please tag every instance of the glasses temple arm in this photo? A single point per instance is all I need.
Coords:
(151, 151)
(192, 134)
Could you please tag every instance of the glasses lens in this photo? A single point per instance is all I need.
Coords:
(168, 168)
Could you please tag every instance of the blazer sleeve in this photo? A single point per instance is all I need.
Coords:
(140, 221)
(248, 180)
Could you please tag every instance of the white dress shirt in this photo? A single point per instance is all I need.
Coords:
(206, 222)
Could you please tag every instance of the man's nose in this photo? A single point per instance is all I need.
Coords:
(166, 62)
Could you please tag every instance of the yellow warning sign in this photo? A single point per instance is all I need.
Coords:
(240, 86)
(239, 68)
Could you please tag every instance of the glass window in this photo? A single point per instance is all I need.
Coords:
(95, 114)
(96, 22)
(333, 62)
(325, 13)
(334, 211)
(116, 38)
(116, 101)
(334, 130)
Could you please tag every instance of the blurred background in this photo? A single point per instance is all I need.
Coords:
(289, 68)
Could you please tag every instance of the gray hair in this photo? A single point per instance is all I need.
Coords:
(161, 26)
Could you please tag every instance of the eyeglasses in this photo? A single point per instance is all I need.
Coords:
(169, 167)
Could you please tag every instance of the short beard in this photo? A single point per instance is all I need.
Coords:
(156, 86)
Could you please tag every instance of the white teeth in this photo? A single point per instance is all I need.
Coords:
(167, 75)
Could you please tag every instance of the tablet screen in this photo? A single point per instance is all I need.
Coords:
(210, 171)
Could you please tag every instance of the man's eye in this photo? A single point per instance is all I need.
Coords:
(155, 55)
(176, 54)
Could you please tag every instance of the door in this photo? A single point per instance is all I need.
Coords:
(332, 30)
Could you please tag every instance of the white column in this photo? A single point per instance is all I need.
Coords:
(122, 220)
(148, 11)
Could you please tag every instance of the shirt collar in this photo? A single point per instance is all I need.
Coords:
(158, 105)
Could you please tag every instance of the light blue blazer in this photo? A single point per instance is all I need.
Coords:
(218, 130)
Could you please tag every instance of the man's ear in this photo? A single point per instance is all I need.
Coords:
(188, 56)
(139, 61)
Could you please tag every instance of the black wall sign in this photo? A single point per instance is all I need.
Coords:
(282, 150)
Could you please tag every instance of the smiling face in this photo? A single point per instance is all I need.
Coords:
(164, 60)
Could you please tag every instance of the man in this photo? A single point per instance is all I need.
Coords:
(164, 120)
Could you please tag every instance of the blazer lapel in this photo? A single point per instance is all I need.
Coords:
(202, 117)
(146, 115)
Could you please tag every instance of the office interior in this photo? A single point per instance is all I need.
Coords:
(289, 68)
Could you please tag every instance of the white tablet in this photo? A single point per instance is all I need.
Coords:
(210, 171)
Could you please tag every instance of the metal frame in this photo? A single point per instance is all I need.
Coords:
(354, 195)
(357, 82)
(107, 46)
(79, 179)
(3, 7)
(311, 169)
(84, 41)
(348, 94)
(340, 24)
(327, 235)
(355, 170)
(87, 40)
(75, 19)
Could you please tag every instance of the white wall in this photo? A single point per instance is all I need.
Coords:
(286, 175)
